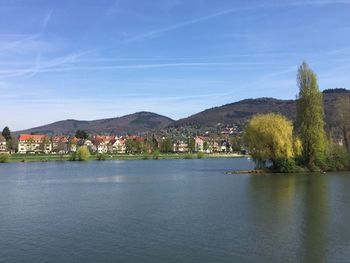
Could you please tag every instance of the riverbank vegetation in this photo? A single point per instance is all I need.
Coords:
(277, 145)
(110, 157)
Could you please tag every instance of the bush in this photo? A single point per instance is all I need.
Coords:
(188, 156)
(200, 155)
(146, 156)
(287, 166)
(337, 159)
(83, 154)
(73, 156)
(4, 158)
(156, 155)
(101, 157)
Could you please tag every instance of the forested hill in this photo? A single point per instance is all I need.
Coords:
(240, 111)
(233, 113)
(136, 123)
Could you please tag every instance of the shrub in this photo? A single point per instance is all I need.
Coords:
(188, 156)
(4, 158)
(200, 155)
(101, 157)
(146, 156)
(287, 166)
(83, 154)
(337, 159)
(156, 155)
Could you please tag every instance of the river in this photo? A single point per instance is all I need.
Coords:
(170, 211)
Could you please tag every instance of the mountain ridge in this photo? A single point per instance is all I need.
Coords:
(232, 113)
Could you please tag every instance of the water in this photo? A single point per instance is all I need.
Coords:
(170, 211)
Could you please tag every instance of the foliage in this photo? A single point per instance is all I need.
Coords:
(236, 144)
(155, 144)
(191, 144)
(343, 119)
(310, 117)
(4, 158)
(200, 155)
(287, 166)
(132, 146)
(156, 155)
(205, 146)
(166, 145)
(83, 154)
(73, 157)
(269, 137)
(101, 157)
(6, 133)
(188, 156)
(146, 156)
(81, 134)
(337, 159)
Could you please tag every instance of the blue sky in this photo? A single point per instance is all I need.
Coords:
(99, 59)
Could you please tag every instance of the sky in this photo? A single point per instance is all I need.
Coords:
(89, 59)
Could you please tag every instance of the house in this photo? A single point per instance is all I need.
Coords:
(180, 147)
(119, 145)
(3, 147)
(102, 147)
(198, 144)
(90, 145)
(225, 146)
(36, 143)
(101, 143)
(72, 144)
(60, 144)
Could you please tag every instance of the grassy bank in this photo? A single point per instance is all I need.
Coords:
(56, 157)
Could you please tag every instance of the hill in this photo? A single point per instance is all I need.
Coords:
(239, 112)
(230, 114)
(136, 123)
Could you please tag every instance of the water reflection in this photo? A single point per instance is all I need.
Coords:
(291, 212)
(315, 212)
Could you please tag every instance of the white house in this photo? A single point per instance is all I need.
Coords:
(34, 143)
(3, 147)
(180, 147)
(199, 144)
(119, 145)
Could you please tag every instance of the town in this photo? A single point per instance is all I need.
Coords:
(112, 144)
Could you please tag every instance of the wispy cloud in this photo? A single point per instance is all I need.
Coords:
(160, 31)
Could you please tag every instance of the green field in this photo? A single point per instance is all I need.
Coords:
(56, 157)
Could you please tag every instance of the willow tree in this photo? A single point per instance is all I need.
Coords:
(269, 138)
(310, 117)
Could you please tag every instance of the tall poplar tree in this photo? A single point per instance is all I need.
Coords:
(310, 117)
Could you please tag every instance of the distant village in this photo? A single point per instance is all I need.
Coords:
(129, 144)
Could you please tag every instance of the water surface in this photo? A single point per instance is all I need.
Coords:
(170, 211)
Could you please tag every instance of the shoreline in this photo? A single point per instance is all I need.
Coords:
(17, 158)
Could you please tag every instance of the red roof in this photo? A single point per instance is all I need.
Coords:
(34, 137)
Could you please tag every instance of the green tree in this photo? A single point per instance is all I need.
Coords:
(206, 146)
(6, 133)
(81, 134)
(132, 146)
(166, 145)
(4, 158)
(155, 145)
(343, 119)
(12, 144)
(310, 118)
(191, 144)
(236, 144)
(83, 153)
(269, 138)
